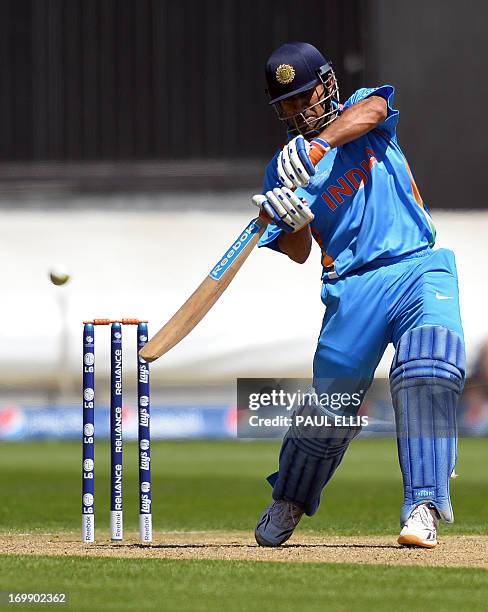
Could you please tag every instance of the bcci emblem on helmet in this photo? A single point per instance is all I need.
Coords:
(285, 74)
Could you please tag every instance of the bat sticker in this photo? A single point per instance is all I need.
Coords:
(235, 250)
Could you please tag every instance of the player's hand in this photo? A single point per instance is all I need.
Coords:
(284, 208)
(294, 165)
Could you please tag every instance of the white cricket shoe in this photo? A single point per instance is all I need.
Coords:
(421, 527)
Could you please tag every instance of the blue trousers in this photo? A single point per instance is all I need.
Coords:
(367, 310)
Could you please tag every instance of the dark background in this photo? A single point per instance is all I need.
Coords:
(177, 86)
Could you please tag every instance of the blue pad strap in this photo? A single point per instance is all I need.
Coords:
(309, 457)
(427, 378)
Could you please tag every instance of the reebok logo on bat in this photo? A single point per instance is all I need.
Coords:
(219, 270)
(442, 297)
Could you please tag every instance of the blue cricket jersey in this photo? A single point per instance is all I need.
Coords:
(365, 201)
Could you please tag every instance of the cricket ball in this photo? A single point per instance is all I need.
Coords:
(59, 276)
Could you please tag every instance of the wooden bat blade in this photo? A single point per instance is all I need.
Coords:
(205, 296)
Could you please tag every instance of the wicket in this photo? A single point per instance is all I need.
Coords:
(116, 438)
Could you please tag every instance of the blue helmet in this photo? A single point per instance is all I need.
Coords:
(295, 68)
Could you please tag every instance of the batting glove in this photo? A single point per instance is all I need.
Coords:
(284, 209)
(294, 166)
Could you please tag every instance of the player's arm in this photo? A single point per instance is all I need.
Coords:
(294, 164)
(298, 245)
(292, 215)
(355, 121)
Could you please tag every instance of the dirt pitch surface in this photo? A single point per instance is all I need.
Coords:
(452, 551)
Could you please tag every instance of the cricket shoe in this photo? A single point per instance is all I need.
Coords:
(277, 523)
(421, 527)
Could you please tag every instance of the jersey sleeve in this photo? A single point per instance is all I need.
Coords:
(387, 92)
(273, 232)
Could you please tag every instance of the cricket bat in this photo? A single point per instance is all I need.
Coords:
(210, 290)
(205, 296)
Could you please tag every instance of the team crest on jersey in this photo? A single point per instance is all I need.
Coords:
(285, 74)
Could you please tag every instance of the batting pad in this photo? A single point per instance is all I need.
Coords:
(308, 459)
(426, 379)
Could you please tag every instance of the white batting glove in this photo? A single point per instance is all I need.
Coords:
(284, 208)
(294, 165)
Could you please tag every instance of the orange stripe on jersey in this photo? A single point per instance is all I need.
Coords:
(415, 189)
(327, 260)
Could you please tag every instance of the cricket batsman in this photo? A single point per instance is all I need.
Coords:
(382, 282)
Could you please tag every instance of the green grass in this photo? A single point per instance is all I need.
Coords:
(123, 584)
(221, 486)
